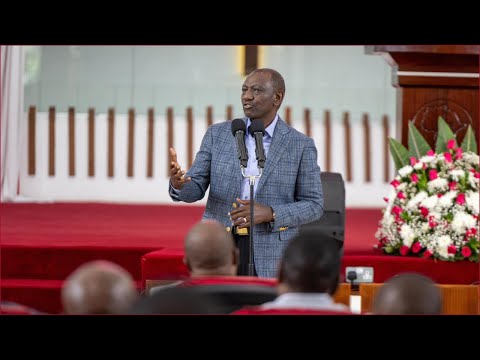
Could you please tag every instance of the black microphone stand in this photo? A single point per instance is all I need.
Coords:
(250, 233)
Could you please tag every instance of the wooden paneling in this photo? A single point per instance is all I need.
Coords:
(251, 59)
(348, 147)
(229, 112)
(328, 142)
(91, 142)
(308, 122)
(71, 141)
(342, 295)
(430, 58)
(131, 142)
(111, 143)
(457, 299)
(288, 115)
(366, 148)
(440, 81)
(150, 129)
(436, 49)
(51, 141)
(169, 137)
(423, 98)
(209, 116)
(459, 108)
(32, 113)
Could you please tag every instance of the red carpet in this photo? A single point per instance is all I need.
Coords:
(48, 241)
(83, 225)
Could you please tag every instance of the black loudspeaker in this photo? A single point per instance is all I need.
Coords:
(332, 222)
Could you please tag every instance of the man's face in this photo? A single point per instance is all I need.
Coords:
(259, 100)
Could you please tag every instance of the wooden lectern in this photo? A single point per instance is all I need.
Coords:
(433, 81)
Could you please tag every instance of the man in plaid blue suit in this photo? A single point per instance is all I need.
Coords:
(288, 194)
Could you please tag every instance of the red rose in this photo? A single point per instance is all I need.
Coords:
(395, 183)
(427, 254)
(404, 250)
(461, 199)
(466, 251)
(416, 247)
(448, 157)
(424, 211)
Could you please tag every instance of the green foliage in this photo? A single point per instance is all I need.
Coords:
(417, 145)
(448, 217)
(405, 216)
(469, 143)
(444, 135)
(399, 153)
(422, 181)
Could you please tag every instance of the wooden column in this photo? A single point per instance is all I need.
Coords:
(433, 81)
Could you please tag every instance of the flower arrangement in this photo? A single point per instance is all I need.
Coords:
(433, 207)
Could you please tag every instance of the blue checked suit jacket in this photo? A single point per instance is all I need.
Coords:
(290, 184)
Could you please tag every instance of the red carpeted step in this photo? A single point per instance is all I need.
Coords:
(48, 241)
(41, 295)
(56, 263)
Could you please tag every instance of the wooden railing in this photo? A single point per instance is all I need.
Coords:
(457, 299)
(190, 119)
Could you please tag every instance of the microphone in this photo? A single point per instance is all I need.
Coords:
(238, 130)
(257, 130)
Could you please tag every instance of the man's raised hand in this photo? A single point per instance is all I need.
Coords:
(177, 175)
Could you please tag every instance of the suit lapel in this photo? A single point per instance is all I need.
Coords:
(278, 146)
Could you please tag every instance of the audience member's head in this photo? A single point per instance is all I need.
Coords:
(99, 287)
(408, 294)
(210, 250)
(310, 264)
(178, 301)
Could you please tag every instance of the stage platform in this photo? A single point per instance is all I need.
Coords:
(41, 244)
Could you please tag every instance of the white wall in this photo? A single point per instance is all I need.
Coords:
(337, 78)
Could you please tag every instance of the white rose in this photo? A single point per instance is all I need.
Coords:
(430, 202)
(443, 242)
(405, 171)
(457, 174)
(407, 235)
(472, 201)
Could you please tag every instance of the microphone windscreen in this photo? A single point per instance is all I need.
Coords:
(257, 126)
(238, 124)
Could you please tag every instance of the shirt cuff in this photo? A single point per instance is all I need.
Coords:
(174, 193)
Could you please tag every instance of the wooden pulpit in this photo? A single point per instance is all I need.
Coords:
(433, 81)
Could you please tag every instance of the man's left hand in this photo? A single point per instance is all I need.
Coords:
(240, 216)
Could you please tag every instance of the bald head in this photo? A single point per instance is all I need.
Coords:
(210, 250)
(408, 294)
(99, 287)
